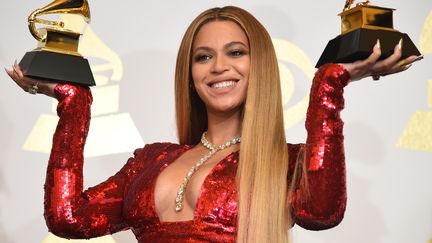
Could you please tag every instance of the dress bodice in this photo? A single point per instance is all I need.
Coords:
(215, 213)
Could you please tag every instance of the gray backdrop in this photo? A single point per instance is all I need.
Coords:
(132, 47)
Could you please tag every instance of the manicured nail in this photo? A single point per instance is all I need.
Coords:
(378, 44)
(418, 58)
(400, 44)
(407, 66)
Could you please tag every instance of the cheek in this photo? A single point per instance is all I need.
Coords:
(243, 67)
(197, 78)
(198, 73)
(245, 70)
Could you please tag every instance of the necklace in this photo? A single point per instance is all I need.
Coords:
(213, 149)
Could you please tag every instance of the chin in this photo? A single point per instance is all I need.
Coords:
(229, 108)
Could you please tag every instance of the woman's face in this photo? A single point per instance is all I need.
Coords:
(220, 65)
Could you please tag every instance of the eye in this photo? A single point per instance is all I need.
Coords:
(202, 58)
(236, 53)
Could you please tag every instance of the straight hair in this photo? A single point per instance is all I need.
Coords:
(263, 164)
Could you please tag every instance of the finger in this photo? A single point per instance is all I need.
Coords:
(14, 69)
(18, 81)
(18, 69)
(362, 68)
(17, 74)
(19, 77)
(376, 53)
(398, 70)
(10, 73)
(15, 66)
(30, 81)
(15, 78)
(411, 59)
(404, 64)
(386, 65)
(14, 74)
(23, 83)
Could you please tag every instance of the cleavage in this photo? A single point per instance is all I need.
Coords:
(171, 177)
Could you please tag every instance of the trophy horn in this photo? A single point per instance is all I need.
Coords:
(349, 3)
(79, 7)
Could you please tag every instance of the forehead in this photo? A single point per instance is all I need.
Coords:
(219, 32)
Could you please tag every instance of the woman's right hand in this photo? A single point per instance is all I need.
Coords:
(30, 85)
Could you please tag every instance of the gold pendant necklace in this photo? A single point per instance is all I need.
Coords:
(213, 149)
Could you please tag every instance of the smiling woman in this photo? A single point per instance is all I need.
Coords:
(220, 66)
(232, 177)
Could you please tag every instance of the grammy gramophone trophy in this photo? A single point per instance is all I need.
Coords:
(362, 26)
(56, 58)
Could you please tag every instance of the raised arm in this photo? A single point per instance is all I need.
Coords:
(319, 196)
(70, 212)
(319, 200)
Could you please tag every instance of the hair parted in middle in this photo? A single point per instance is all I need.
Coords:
(262, 171)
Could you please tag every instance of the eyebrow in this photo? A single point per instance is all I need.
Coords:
(232, 43)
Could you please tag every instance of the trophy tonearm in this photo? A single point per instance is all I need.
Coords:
(78, 7)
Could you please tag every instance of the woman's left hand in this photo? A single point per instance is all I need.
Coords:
(372, 67)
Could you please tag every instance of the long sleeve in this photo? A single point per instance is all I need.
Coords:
(70, 212)
(319, 200)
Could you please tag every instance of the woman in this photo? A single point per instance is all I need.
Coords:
(227, 86)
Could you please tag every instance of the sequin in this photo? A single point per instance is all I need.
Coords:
(126, 200)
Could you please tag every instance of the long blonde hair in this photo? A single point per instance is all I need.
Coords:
(262, 171)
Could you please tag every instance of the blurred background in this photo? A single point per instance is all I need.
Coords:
(132, 47)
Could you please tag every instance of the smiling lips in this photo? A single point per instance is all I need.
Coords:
(223, 84)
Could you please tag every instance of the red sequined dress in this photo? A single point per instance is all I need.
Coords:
(126, 200)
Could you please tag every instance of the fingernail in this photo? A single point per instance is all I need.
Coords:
(407, 66)
(400, 44)
(418, 58)
(378, 44)
(15, 63)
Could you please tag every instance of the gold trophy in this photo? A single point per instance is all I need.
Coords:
(56, 58)
(362, 25)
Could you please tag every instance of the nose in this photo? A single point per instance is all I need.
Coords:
(220, 64)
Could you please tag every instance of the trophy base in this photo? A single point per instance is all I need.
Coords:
(57, 67)
(358, 45)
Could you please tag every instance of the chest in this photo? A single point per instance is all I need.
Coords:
(212, 193)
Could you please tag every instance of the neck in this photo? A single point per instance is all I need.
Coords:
(223, 126)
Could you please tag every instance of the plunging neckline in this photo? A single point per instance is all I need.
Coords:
(165, 165)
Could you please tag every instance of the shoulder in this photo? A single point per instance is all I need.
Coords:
(147, 155)
(154, 150)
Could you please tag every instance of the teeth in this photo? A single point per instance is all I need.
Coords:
(223, 84)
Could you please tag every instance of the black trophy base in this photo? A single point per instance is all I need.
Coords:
(56, 67)
(358, 45)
